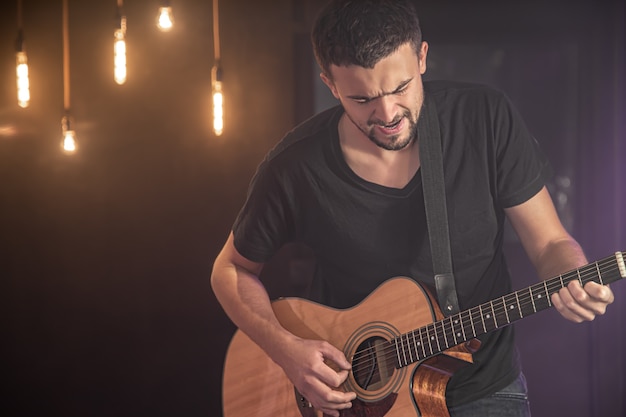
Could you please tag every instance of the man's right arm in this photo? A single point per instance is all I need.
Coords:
(235, 282)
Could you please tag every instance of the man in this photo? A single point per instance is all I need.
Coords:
(347, 183)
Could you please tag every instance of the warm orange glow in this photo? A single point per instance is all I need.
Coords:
(69, 141)
(23, 83)
(218, 108)
(69, 136)
(119, 57)
(165, 21)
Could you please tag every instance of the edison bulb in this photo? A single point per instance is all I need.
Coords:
(23, 83)
(165, 20)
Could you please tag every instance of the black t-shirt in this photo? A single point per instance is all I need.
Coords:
(363, 234)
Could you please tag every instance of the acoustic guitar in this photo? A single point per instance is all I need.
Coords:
(401, 347)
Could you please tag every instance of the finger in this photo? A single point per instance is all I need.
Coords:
(567, 305)
(326, 399)
(601, 293)
(593, 298)
(335, 355)
(559, 305)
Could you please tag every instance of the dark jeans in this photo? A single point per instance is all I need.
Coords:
(511, 401)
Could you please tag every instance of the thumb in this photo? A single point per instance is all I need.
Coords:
(335, 355)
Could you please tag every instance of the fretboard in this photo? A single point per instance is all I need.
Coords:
(436, 337)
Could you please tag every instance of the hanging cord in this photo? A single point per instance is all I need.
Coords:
(19, 41)
(19, 14)
(66, 58)
(216, 31)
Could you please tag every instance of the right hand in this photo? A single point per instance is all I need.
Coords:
(304, 363)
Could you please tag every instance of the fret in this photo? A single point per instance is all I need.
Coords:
(414, 348)
(436, 337)
(495, 319)
(397, 351)
(540, 297)
(547, 293)
(482, 317)
(532, 299)
(422, 342)
(413, 353)
(443, 329)
(404, 351)
(580, 279)
(429, 339)
(512, 307)
(454, 332)
(472, 323)
(599, 274)
(527, 302)
(519, 307)
(419, 344)
(467, 323)
(410, 358)
(506, 313)
(487, 326)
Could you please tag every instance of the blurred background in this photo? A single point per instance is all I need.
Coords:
(106, 252)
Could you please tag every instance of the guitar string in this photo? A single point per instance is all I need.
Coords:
(584, 273)
(435, 331)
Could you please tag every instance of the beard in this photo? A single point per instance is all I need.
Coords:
(393, 142)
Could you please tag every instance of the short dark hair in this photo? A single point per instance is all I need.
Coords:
(362, 32)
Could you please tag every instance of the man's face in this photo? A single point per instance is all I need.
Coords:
(383, 102)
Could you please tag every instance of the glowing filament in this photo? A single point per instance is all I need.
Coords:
(69, 141)
(120, 57)
(165, 21)
(218, 108)
(23, 84)
(69, 136)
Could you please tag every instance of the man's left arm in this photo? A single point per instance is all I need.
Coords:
(553, 251)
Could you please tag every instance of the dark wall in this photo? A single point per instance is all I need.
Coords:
(106, 305)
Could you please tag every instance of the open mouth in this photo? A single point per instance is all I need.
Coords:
(392, 128)
(393, 125)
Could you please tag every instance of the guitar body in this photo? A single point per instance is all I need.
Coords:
(402, 349)
(254, 386)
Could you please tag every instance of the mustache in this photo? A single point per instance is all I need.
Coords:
(396, 120)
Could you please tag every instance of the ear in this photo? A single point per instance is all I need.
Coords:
(329, 83)
(422, 57)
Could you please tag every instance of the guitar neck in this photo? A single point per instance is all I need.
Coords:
(430, 340)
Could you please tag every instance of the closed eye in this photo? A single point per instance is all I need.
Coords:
(401, 90)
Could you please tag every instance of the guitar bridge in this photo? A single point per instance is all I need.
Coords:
(304, 405)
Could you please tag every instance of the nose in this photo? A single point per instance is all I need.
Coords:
(385, 111)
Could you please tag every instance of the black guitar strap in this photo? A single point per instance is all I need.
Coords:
(431, 161)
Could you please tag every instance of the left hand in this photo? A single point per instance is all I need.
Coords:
(578, 304)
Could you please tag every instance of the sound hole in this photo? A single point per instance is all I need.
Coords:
(370, 364)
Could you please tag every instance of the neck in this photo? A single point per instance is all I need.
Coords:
(393, 169)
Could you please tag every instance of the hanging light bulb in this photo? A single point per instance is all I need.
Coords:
(69, 136)
(218, 100)
(23, 83)
(119, 71)
(21, 67)
(216, 77)
(165, 19)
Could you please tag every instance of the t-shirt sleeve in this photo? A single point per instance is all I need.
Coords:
(265, 222)
(522, 168)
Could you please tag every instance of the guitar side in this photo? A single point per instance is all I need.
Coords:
(393, 344)
(254, 386)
